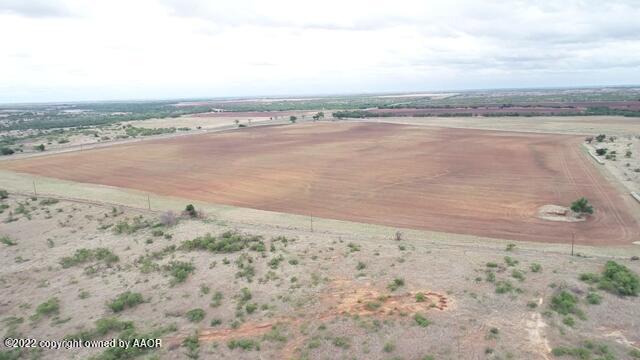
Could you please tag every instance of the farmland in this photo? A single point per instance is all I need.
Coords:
(385, 237)
(458, 181)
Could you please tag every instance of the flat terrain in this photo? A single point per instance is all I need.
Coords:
(460, 181)
(308, 295)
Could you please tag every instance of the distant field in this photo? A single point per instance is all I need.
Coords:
(451, 180)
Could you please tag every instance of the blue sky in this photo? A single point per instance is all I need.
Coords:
(65, 50)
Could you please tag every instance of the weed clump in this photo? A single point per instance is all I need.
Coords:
(227, 242)
(125, 300)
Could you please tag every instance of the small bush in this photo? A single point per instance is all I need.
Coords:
(565, 303)
(125, 300)
(227, 242)
(503, 287)
(510, 261)
(510, 247)
(594, 298)
(7, 241)
(3, 194)
(389, 347)
(569, 321)
(618, 279)
(195, 315)
(395, 284)
(361, 265)
(420, 297)
(517, 274)
(82, 256)
(341, 342)
(179, 270)
(47, 308)
(535, 267)
(492, 265)
(244, 344)
(421, 320)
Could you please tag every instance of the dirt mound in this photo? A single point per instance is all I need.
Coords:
(342, 298)
(558, 213)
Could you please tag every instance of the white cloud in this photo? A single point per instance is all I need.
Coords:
(82, 49)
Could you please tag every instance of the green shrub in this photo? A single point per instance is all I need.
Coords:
(618, 279)
(510, 261)
(535, 267)
(420, 297)
(195, 315)
(190, 210)
(421, 320)
(244, 344)
(7, 241)
(123, 227)
(216, 300)
(492, 265)
(82, 256)
(3, 194)
(634, 353)
(251, 308)
(395, 284)
(125, 300)
(103, 327)
(47, 308)
(341, 342)
(389, 347)
(594, 298)
(590, 278)
(569, 321)
(517, 274)
(503, 287)
(565, 303)
(227, 242)
(192, 343)
(179, 270)
(582, 206)
(361, 265)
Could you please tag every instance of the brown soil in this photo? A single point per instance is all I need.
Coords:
(341, 299)
(475, 182)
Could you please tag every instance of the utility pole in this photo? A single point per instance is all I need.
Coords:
(573, 238)
(148, 202)
(311, 222)
(35, 193)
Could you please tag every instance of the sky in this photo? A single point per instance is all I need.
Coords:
(77, 50)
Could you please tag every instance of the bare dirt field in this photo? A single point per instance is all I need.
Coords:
(582, 125)
(460, 181)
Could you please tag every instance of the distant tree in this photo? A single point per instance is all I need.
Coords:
(293, 119)
(236, 121)
(612, 138)
(191, 211)
(601, 151)
(582, 206)
(39, 147)
(601, 137)
(3, 194)
(589, 139)
(6, 151)
(318, 116)
(628, 153)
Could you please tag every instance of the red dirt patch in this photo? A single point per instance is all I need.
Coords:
(476, 182)
(342, 298)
